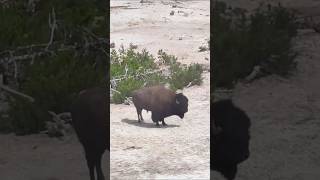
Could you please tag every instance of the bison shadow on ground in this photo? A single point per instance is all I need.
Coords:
(146, 125)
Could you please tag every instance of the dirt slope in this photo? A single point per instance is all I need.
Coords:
(285, 117)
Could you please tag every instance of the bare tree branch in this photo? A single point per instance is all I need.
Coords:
(53, 25)
(6, 88)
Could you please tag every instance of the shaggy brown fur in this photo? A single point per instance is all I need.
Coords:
(161, 101)
(89, 117)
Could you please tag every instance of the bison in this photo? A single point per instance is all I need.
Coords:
(229, 138)
(89, 119)
(161, 101)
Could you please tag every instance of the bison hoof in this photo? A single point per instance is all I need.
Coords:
(164, 124)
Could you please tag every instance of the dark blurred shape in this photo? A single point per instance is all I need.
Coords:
(229, 138)
(89, 118)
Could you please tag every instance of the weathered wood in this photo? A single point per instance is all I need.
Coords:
(8, 89)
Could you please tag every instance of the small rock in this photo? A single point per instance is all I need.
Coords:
(112, 45)
(126, 102)
(132, 147)
(180, 38)
(132, 46)
(171, 13)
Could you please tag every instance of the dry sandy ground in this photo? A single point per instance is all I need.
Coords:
(38, 157)
(285, 114)
(181, 150)
(146, 151)
(150, 26)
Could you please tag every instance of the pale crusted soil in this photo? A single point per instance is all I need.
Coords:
(180, 151)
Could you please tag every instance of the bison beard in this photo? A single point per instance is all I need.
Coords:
(229, 138)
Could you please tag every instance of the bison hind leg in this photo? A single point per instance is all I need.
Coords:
(141, 116)
(139, 110)
(91, 165)
(163, 123)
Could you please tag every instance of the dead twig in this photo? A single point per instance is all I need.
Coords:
(53, 25)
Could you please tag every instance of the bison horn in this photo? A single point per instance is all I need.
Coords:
(177, 102)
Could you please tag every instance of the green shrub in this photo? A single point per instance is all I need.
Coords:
(52, 82)
(181, 76)
(125, 87)
(137, 65)
(134, 65)
(166, 59)
(242, 41)
(19, 27)
(26, 117)
(54, 78)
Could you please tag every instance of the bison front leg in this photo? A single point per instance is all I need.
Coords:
(163, 123)
(155, 118)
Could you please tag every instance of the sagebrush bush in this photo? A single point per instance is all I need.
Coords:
(242, 41)
(53, 82)
(54, 78)
(181, 76)
(26, 117)
(125, 87)
(59, 76)
(166, 58)
(130, 67)
(20, 27)
(141, 70)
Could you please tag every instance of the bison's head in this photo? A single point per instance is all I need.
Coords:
(181, 105)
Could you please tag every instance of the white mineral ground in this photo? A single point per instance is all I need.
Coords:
(180, 151)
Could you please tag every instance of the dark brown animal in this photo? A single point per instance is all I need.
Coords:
(161, 101)
(230, 138)
(89, 118)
